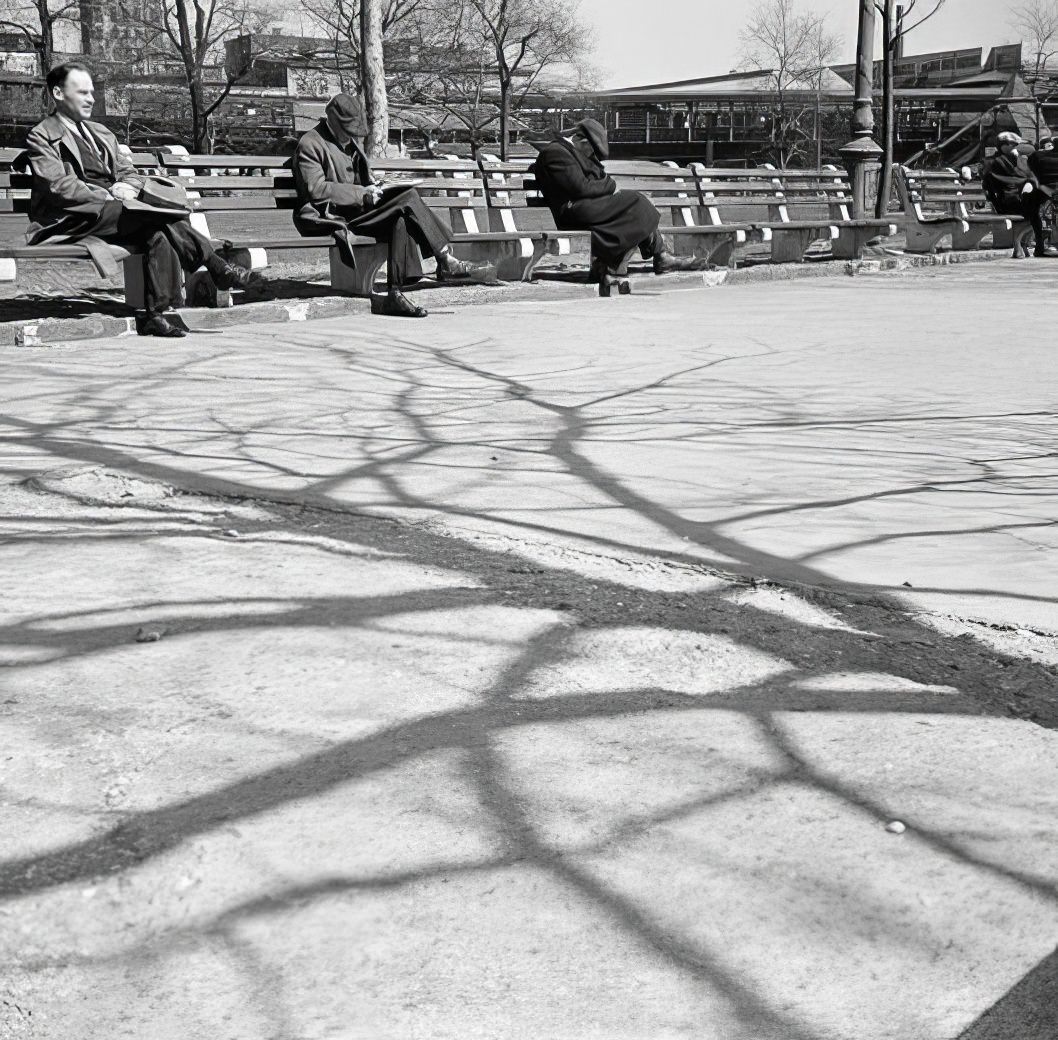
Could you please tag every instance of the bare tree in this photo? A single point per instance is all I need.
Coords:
(339, 22)
(913, 15)
(373, 75)
(528, 37)
(39, 21)
(796, 49)
(191, 35)
(1036, 22)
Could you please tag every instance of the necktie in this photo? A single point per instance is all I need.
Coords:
(89, 139)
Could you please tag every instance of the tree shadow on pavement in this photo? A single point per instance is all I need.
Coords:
(874, 634)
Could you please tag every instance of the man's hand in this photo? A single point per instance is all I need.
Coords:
(124, 192)
(372, 195)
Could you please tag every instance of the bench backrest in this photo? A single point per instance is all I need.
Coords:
(931, 193)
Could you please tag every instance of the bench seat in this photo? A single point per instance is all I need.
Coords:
(940, 205)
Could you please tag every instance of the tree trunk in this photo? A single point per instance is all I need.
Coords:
(198, 121)
(46, 48)
(373, 73)
(505, 118)
(885, 178)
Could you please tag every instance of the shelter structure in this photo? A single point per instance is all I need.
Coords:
(732, 118)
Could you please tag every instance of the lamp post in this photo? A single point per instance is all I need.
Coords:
(861, 153)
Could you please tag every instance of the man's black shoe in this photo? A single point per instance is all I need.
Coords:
(450, 269)
(234, 276)
(396, 305)
(157, 325)
(666, 263)
(1045, 251)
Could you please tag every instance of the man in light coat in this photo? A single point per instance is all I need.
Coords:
(84, 188)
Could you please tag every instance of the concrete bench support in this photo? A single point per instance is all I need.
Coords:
(850, 243)
(358, 280)
(789, 245)
(514, 260)
(924, 238)
(970, 236)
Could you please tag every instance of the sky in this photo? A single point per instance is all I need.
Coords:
(638, 42)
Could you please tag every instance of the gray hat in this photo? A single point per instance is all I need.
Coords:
(347, 113)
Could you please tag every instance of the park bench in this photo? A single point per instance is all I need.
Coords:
(452, 186)
(714, 212)
(790, 209)
(515, 206)
(260, 189)
(939, 204)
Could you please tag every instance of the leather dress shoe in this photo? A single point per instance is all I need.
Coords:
(159, 325)
(666, 263)
(1046, 251)
(396, 305)
(451, 269)
(234, 276)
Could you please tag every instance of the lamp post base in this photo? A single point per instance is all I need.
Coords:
(861, 160)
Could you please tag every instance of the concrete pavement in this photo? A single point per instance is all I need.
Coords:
(692, 595)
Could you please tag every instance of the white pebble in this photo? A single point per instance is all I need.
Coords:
(896, 827)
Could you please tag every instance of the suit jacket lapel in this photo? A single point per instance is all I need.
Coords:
(64, 138)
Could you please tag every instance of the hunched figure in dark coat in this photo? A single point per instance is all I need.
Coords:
(81, 185)
(338, 192)
(1012, 187)
(583, 197)
(1044, 163)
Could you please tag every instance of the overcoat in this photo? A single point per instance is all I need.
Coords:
(330, 181)
(583, 197)
(1004, 178)
(61, 202)
(1045, 166)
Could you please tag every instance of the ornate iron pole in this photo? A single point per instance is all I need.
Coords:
(862, 152)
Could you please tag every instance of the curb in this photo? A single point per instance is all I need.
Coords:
(55, 331)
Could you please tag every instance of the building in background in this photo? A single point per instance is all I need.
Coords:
(950, 104)
(114, 32)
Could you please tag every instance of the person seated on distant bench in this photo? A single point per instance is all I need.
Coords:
(1013, 188)
(81, 186)
(1044, 163)
(338, 192)
(582, 197)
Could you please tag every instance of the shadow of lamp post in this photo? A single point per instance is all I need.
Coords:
(861, 154)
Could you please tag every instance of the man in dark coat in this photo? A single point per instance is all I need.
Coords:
(84, 188)
(1012, 187)
(1044, 163)
(338, 192)
(583, 197)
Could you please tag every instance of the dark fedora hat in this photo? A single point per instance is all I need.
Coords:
(595, 133)
(347, 113)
